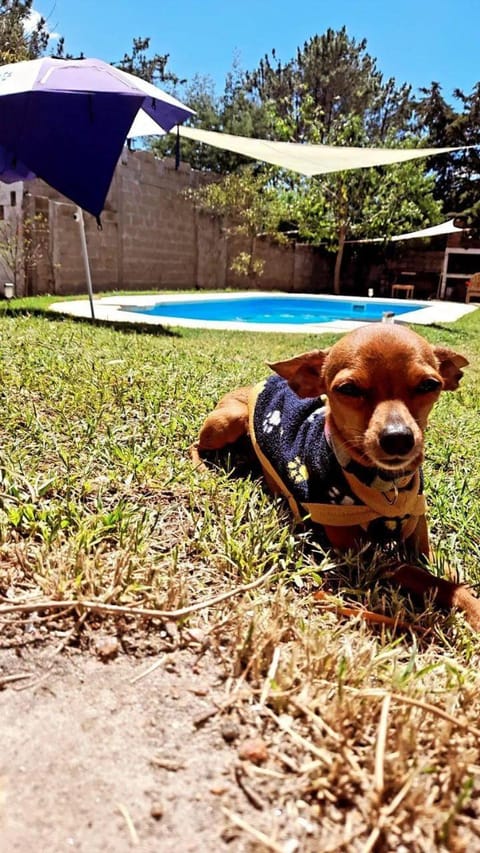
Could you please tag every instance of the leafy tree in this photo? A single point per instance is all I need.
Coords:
(200, 95)
(330, 79)
(332, 93)
(364, 203)
(23, 242)
(153, 69)
(457, 174)
(235, 112)
(19, 39)
(249, 205)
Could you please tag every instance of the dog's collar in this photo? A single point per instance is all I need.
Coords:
(374, 478)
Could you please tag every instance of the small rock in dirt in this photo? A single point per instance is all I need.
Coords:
(219, 788)
(196, 636)
(171, 629)
(254, 749)
(199, 691)
(106, 648)
(204, 716)
(157, 810)
(230, 732)
(166, 762)
(229, 834)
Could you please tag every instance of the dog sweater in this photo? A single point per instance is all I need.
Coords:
(310, 468)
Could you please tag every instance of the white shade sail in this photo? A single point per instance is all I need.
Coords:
(299, 157)
(432, 231)
(308, 159)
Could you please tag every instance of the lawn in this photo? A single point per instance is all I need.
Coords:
(373, 731)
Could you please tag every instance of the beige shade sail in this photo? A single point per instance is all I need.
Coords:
(308, 159)
(432, 231)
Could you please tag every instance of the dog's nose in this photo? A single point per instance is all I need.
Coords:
(396, 439)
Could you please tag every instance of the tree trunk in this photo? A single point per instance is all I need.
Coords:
(338, 260)
(252, 277)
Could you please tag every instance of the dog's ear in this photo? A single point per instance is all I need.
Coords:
(304, 373)
(449, 365)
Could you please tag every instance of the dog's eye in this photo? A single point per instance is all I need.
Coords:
(427, 386)
(349, 389)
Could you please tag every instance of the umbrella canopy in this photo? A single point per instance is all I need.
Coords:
(66, 121)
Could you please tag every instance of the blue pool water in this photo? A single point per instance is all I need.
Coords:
(278, 309)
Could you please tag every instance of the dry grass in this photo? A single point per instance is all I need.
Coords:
(372, 731)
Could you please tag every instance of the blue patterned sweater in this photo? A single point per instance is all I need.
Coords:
(288, 434)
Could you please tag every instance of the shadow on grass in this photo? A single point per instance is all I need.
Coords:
(125, 327)
(238, 460)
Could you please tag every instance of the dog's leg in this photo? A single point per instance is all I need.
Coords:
(446, 593)
(417, 544)
(344, 538)
(225, 425)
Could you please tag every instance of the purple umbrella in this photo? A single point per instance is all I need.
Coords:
(66, 121)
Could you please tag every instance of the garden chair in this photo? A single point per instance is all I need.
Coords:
(473, 287)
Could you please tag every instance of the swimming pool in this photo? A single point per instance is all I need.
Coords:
(257, 311)
(276, 309)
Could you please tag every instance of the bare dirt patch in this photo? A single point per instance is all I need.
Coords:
(96, 757)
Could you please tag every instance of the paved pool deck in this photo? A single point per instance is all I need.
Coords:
(115, 309)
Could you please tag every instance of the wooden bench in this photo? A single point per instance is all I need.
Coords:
(407, 289)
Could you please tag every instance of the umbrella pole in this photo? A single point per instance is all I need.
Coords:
(86, 263)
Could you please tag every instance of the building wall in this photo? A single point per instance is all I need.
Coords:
(152, 237)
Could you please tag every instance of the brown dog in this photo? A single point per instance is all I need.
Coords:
(353, 464)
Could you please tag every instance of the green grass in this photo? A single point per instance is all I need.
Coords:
(99, 501)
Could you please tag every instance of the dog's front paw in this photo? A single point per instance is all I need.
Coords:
(469, 604)
(194, 452)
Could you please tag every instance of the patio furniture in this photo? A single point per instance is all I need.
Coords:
(407, 290)
(473, 287)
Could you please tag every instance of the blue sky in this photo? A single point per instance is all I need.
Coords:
(415, 41)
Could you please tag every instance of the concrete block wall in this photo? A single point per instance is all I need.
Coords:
(152, 237)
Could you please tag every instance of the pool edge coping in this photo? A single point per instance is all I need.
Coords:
(111, 309)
